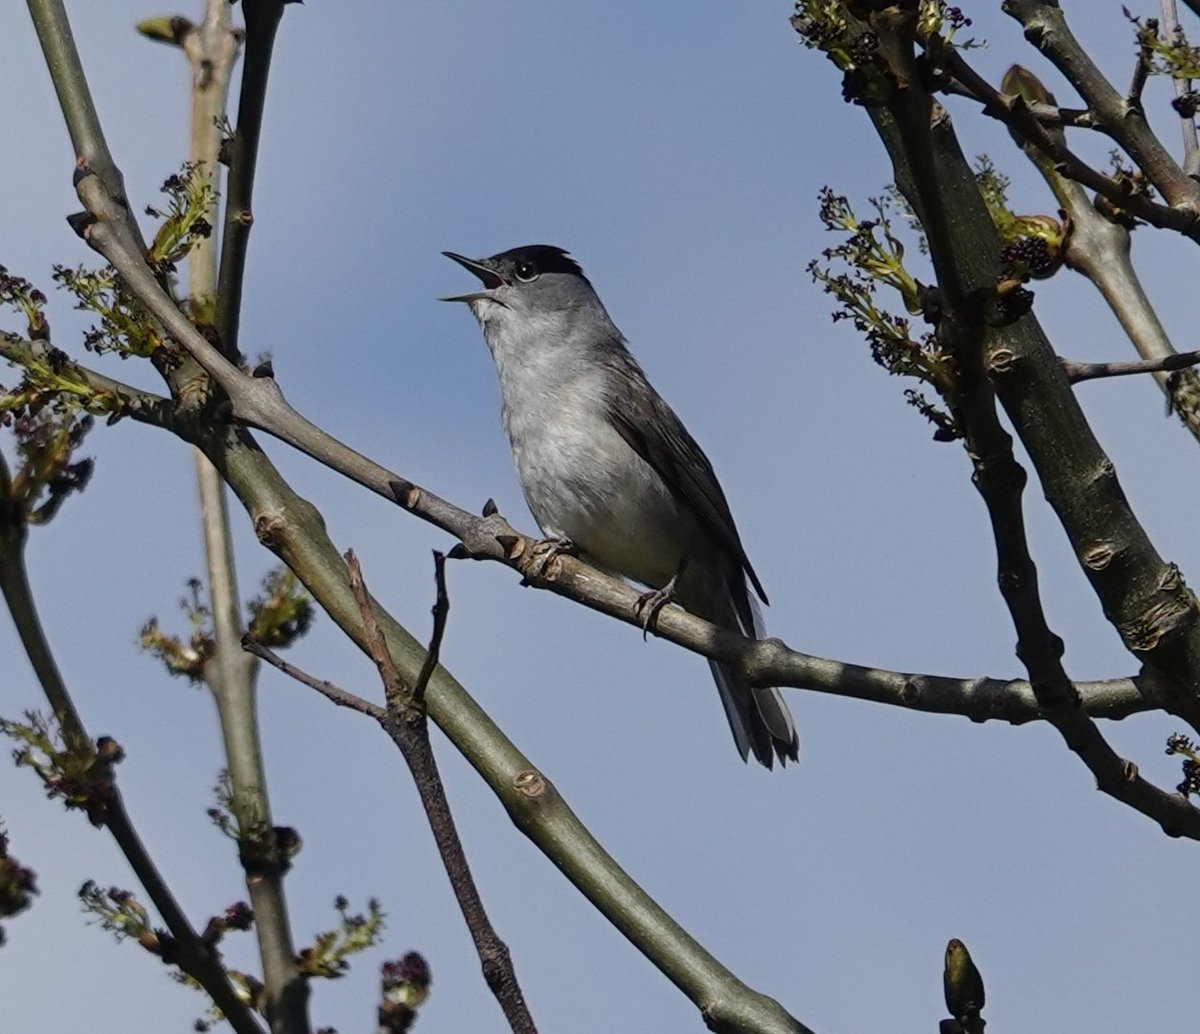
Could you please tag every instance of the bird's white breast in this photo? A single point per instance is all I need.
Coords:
(580, 478)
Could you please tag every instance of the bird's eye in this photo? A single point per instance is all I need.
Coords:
(526, 272)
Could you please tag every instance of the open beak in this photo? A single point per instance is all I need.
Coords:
(489, 277)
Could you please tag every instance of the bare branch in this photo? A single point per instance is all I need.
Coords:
(193, 956)
(405, 722)
(1046, 28)
(334, 694)
(441, 610)
(1027, 122)
(1089, 371)
(262, 21)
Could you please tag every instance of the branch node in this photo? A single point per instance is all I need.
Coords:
(1099, 557)
(530, 783)
(81, 223)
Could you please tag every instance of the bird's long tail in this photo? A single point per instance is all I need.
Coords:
(759, 718)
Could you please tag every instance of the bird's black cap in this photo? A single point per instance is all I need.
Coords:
(546, 257)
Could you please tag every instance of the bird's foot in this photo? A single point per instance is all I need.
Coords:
(545, 553)
(650, 603)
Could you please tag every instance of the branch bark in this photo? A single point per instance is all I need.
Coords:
(1143, 596)
(194, 957)
(921, 144)
(1099, 248)
(211, 48)
(295, 531)
(262, 22)
(1077, 372)
(404, 720)
(1046, 28)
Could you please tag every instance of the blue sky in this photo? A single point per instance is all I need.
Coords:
(677, 150)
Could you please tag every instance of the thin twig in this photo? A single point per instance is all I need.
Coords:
(405, 722)
(193, 956)
(1077, 372)
(334, 694)
(262, 20)
(1141, 68)
(1183, 91)
(441, 610)
(1045, 25)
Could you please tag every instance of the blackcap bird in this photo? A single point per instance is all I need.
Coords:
(609, 470)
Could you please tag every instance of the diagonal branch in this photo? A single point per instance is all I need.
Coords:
(937, 182)
(1029, 124)
(405, 722)
(1046, 28)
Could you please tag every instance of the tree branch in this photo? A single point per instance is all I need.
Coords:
(211, 49)
(1141, 69)
(193, 956)
(1183, 87)
(262, 21)
(1028, 123)
(84, 384)
(1077, 372)
(1046, 28)
(1000, 479)
(334, 694)
(1098, 247)
(404, 721)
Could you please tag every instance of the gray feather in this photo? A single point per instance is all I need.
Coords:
(605, 462)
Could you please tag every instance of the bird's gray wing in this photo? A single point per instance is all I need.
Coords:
(654, 432)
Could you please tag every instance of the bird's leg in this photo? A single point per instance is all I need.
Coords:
(545, 553)
(650, 603)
